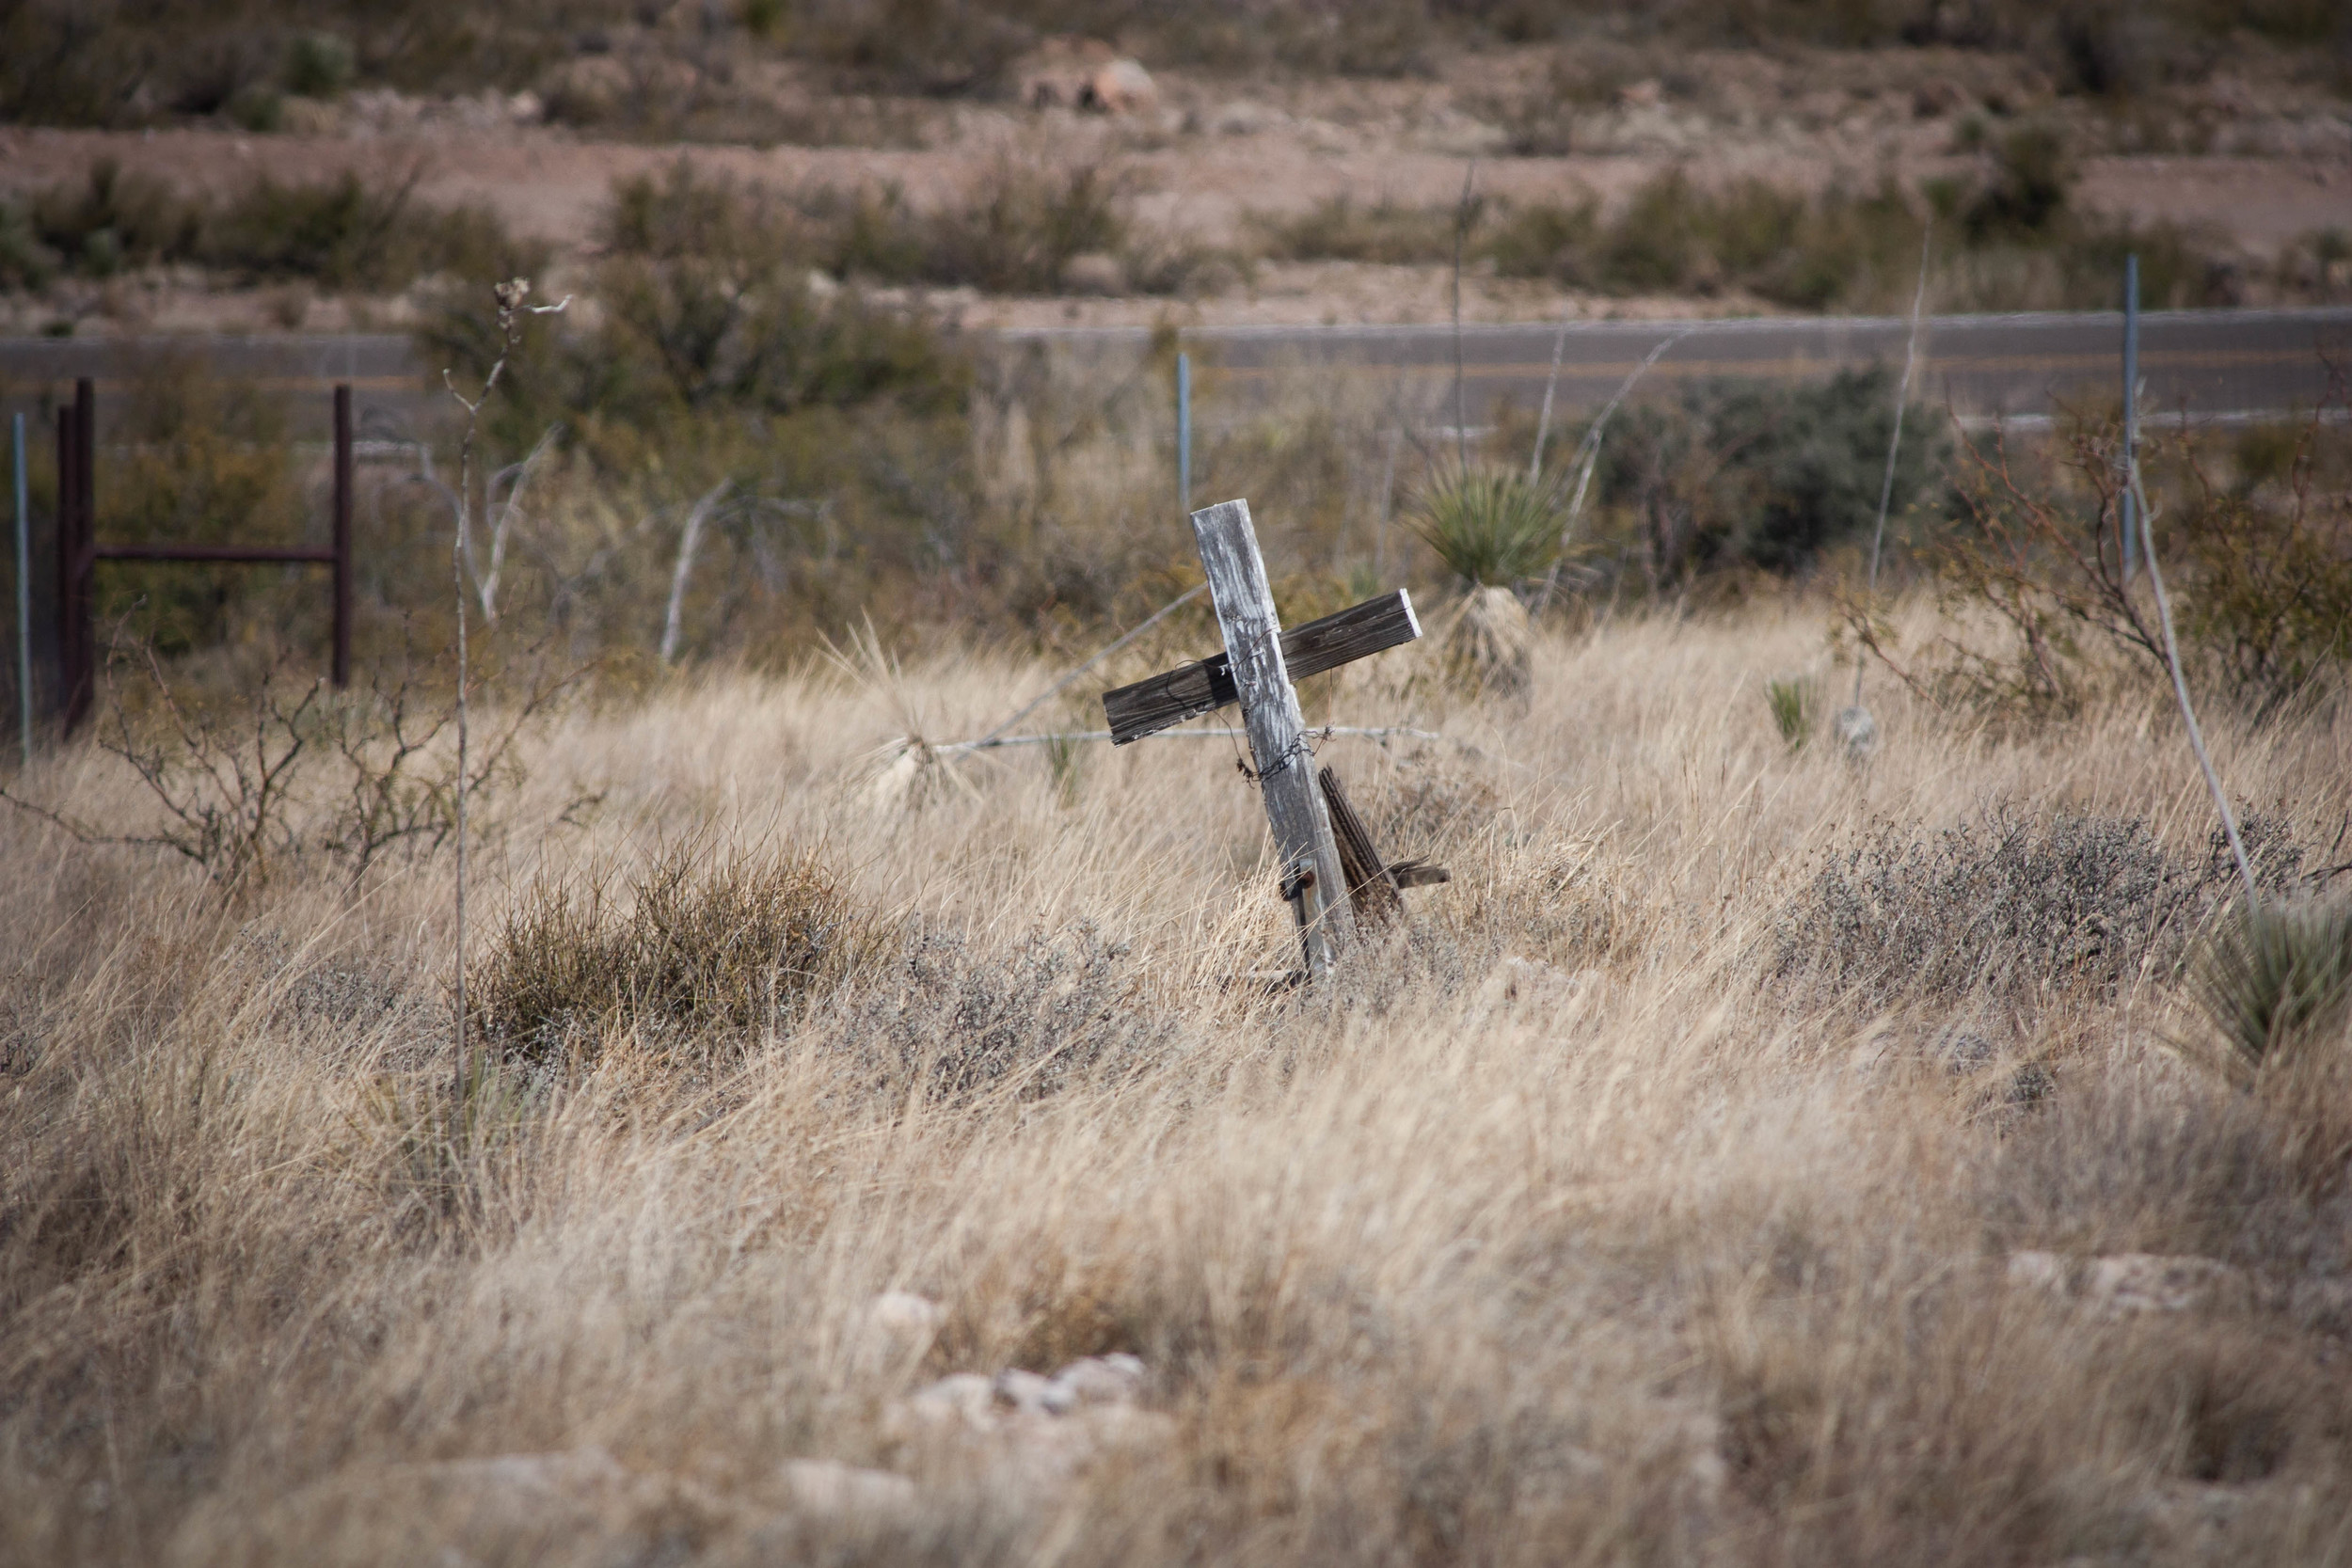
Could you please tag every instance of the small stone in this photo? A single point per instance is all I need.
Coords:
(2040, 1271)
(829, 1488)
(1115, 1379)
(1857, 732)
(1033, 1394)
(962, 1399)
(2145, 1282)
(1120, 88)
(904, 1312)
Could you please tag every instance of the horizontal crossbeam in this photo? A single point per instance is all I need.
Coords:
(1150, 705)
(256, 555)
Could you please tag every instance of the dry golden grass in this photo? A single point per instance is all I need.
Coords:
(1647, 1248)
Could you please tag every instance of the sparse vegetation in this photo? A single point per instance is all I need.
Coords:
(1336, 1228)
(2256, 524)
(343, 233)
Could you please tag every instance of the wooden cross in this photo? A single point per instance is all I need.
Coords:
(1256, 670)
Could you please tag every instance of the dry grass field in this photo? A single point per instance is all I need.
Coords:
(1747, 1158)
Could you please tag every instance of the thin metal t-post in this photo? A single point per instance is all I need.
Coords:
(24, 592)
(2131, 411)
(1183, 432)
(342, 537)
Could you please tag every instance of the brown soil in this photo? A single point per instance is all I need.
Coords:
(2260, 161)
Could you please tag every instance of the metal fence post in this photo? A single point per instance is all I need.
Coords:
(1183, 432)
(24, 589)
(2131, 411)
(80, 612)
(342, 535)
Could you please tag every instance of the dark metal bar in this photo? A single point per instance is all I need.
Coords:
(85, 541)
(77, 511)
(256, 555)
(342, 534)
(66, 511)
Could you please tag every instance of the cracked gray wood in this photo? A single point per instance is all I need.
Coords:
(1132, 712)
(1278, 745)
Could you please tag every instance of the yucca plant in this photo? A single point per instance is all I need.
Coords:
(1491, 527)
(1793, 705)
(2275, 984)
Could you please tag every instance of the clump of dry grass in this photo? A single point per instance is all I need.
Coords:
(1566, 1228)
(705, 941)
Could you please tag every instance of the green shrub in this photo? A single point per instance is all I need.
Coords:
(1491, 527)
(2277, 981)
(346, 233)
(319, 65)
(340, 233)
(1734, 474)
(1337, 230)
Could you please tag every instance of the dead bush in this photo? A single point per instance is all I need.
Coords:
(700, 944)
(961, 1022)
(2010, 904)
(2259, 547)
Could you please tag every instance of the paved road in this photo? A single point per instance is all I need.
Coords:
(2215, 363)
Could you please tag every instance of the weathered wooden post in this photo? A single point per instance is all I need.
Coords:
(1312, 877)
(1256, 670)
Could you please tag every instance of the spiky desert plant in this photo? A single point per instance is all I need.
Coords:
(2276, 983)
(1492, 527)
(1793, 705)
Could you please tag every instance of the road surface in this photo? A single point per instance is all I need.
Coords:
(2214, 364)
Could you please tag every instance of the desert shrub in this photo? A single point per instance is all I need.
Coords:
(961, 1022)
(1490, 526)
(346, 233)
(2261, 566)
(703, 944)
(270, 773)
(341, 233)
(2009, 905)
(1338, 229)
(319, 65)
(111, 220)
(2028, 190)
(1732, 474)
(1023, 227)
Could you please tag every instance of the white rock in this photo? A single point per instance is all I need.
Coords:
(904, 1312)
(1857, 732)
(2130, 1282)
(1115, 1379)
(2144, 1282)
(1120, 88)
(833, 1490)
(1034, 1395)
(2040, 1271)
(961, 1400)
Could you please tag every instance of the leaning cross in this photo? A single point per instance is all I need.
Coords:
(1258, 663)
